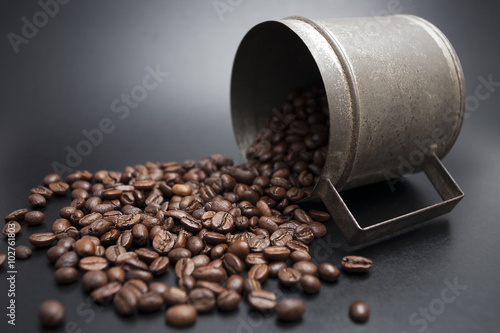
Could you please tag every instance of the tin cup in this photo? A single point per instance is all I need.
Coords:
(396, 98)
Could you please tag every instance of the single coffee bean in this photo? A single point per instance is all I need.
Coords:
(51, 178)
(22, 252)
(318, 229)
(319, 215)
(304, 234)
(200, 260)
(43, 191)
(34, 217)
(240, 248)
(275, 267)
(281, 236)
(300, 255)
(55, 252)
(37, 201)
(262, 300)
(158, 287)
(51, 313)
(181, 189)
(210, 273)
(178, 254)
(42, 239)
(228, 300)
(115, 274)
(159, 265)
(174, 296)
(235, 282)
(138, 286)
(250, 285)
(105, 294)
(183, 267)
(305, 267)
(181, 315)
(66, 275)
(258, 272)
(295, 245)
(16, 215)
(255, 259)
(59, 188)
(84, 247)
(310, 284)
(150, 302)
(232, 264)
(356, 264)
(66, 242)
(186, 283)
(328, 272)
(93, 263)
(202, 299)
(214, 238)
(259, 243)
(163, 242)
(11, 228)
(289, 276)
(68, 259)
(194, 244)
(359, 311)
(290, 309)
(125, 301)
(276, 253)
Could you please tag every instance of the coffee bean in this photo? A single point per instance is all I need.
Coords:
(223, 221)
(290, 309)
(150, 302)
(66, 242)
(328, 272)
(181, 189)
(262, 300)
(66, 275)
(11, 228)
(163, 242)
(51, 178)
(34, 218)
(295, 245)
(275, 267)
(259, 272)
(37, 201)
(214, 238)
(240, 248)
(174, 296)
(359, 311)
(310, 284)
(42, 239)
(55, 252)
(43, 191)
(105, 294)
(215, 288)
(16, 215)
(125, 301)
(84, 247)
(59, 188)
(319, 215)
(68, 259)
(304, 233)
(22, 252)
(232, 264)
(356, 264)
(159, 265)
(300, 255)
(255, 259)
(318, 229)
(184, 266)
(93, 280)
(276, 253)
(202, 299)
(181, 315)
(178, 254)
(235, 282)
(93, 264)
(51, 313)
(158, 287)
(200, 260)
(259, 243)
(228, 300)
(209, 273)
(289, 276)
(114, 251)
(250, 285)
(115, 274)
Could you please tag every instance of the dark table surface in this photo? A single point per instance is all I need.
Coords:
(63, 79)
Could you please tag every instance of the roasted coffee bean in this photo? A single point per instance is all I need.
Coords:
(11, 228)
(37, 201)
(214, 238)
(68, 259)
(158, 287)
(305, 267)
(34, 218)
(178, 254)
(212, 286)
(51, 178)
(240, 248)
(105, 294)
(181, 189)
(43, 191)
(290, 309)
(232, 264)
(202, 299)
(318, 229)
(356, 264)
(268, 223)
(259, 243)
(93, 280)
(183, 267)
(67, 243)
(359, 311)
(289, 276)
(55, 252)
(250, 285)
(218, 251)
(146, 255)
(200, 260)
(150, 302)
(255, 259)
(209, 273)
(301, 216)
(296, 245)
(16, 215)
(42, 239)
(228, 300)
(127, 221)
(174, 296)
(300, 255)
(93, 264)
(304, 234)
(125, 301)
(328, 272)
(22, 252)
(140, 234)
(181, 315)
(280, 237)
(116, 274)
(194, 244)
(113, 252)
(163, 242)
(66, 275)
(319, 215)
(51, 314)
(259, 272)
(310, 284)
(235, 282)
(139, 287)
(125, 239)
(223, 221)
(262, 300)
(59, 188)
(275, 267)
(276, 253)
(84, 247)
(186, 283)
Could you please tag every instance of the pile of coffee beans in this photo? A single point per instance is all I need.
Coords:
(224, 228)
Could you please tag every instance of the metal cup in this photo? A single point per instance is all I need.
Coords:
(396, 96)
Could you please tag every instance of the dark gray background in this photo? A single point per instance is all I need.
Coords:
(65, 78)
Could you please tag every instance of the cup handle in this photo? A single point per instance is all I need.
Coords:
(447, 188)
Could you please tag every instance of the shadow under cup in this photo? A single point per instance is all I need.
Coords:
(395, 91)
